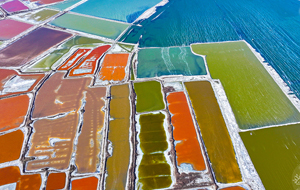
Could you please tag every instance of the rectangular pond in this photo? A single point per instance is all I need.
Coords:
(214, 132)
(90, 25)
(156, 62)
(254, 96)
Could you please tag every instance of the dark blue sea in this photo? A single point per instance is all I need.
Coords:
(272, 27)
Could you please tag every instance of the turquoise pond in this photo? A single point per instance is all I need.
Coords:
(156, 62)
(126, 11)
(266, 25)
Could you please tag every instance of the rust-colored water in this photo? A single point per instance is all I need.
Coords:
(188, 151)
(56, 181)
(10, 146)
(13, 111)
(73, 59)
(27, 182)
(214, 132)
(90, 183)
(113, 67)
(89, 64)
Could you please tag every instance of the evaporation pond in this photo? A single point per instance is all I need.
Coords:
(55, 58)
(64, 5)
(155, 62)
(10, 28)
(188, 150)
(37, 16)
(126, 11)
(214, 132)
(275, 153)
(113, 67)
(154, 172)
(14, 6)
(90, 25)
(149, 96)
(119, 125)
(254, 96)
(31, 46)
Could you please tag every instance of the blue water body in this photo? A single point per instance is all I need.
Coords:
(126, 11)
(272, 27)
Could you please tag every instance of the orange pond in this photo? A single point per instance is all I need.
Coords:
(188, 151)
(71, 61)
(113, 67)
(13, 83)
(90, 183)
(24, 182)
(10, 146)
(56, 181)
(214, 132)
(13, 111)
(89, 64)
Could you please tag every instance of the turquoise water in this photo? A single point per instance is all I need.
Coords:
(63, 5)
(270, 26)
(155, 62)
(126, 11)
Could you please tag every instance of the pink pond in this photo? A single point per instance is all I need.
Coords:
(14, 6)
(11, 28)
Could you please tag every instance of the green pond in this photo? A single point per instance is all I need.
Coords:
(90, 25)
(254, 96)
(37, 17)
(148, 96)
(154, 172)
(156, 62)
(275, 153)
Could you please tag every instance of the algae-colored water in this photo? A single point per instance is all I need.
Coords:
(155, 62)
(254, 96)
(117, 165)
(46, 63)
(214, 132)
(38, 16)
(275, 153)
(90, 25)
(126, 47)
(154, 172)
(149, 96)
